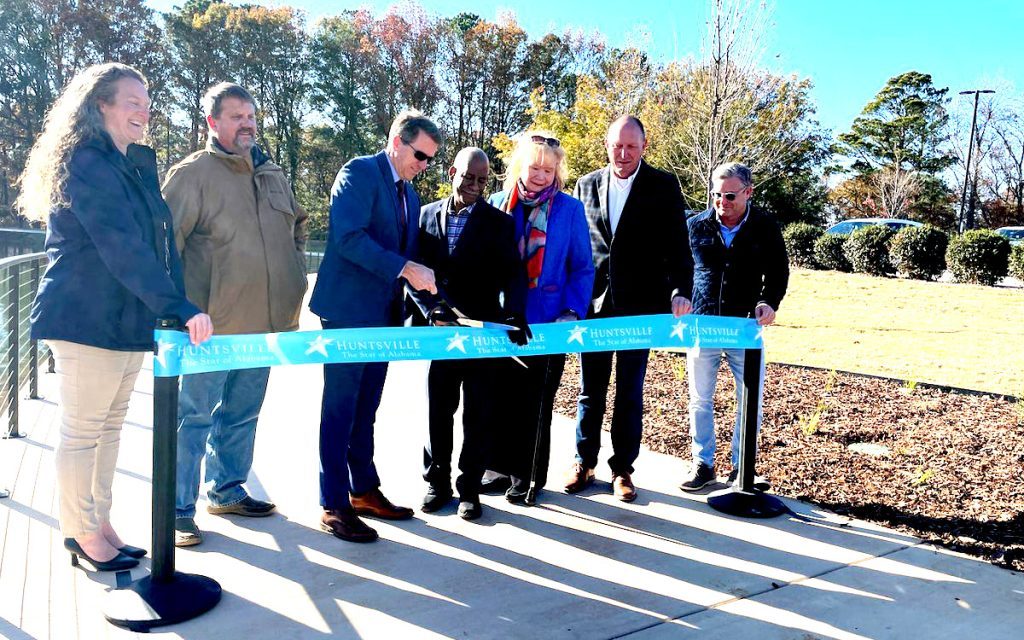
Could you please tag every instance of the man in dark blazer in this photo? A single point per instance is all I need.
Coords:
(371, 242)
(643, 266)
(471, 247)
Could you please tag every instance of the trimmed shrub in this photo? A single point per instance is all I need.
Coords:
(800, 238)
(1017, 261)
(828, 252)
(867, 249)
(919, 252)
(979, 256)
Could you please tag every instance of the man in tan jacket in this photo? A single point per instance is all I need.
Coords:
(241, 236)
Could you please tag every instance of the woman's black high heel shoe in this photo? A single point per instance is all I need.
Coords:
(117, 563)
(132, 552)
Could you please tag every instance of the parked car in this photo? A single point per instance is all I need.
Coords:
(849, 226)
(1014, 234)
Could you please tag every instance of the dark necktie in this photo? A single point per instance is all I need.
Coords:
(403, 221)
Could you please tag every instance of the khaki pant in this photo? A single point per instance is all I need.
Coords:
(95, 386)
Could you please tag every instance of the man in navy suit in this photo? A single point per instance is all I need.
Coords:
(371, 242)
(472, 248)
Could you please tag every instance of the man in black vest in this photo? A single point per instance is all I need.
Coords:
(643, 265)
(471, 247)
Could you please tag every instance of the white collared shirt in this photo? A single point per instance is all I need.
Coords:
(618, 192)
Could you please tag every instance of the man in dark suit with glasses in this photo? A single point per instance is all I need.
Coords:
(371, 245)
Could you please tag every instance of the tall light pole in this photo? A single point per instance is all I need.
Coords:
(967, 222)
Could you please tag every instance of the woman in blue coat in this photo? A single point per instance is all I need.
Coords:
(554, 244)
(113, 269)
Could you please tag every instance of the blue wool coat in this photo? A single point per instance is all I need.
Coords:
(113, 267)
(567, 275)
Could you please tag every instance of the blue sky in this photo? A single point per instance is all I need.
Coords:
(848, 49)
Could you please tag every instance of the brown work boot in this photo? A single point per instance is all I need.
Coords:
(622, 487)
(578, 478)
(373, 503)
(345, 524)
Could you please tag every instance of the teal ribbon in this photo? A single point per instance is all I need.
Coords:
(176, 356)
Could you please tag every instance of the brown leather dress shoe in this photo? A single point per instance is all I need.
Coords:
(373, 503)
(346, 525)
(622, 487)
(578, 478)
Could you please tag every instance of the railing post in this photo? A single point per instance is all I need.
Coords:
(12, 354)
(33, 348)
(743, 499)
(165, 596)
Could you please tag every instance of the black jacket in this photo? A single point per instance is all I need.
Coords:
(648, 261)
(484, 264)
(754, 269)
(113, 267)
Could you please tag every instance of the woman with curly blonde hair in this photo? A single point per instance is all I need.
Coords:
(554, 245)
(113, 269)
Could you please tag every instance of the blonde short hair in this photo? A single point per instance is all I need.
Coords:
(527, 152)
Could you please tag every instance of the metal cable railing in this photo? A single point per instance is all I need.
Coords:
(19, 354)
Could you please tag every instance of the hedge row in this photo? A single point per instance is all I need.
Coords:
(979, 256)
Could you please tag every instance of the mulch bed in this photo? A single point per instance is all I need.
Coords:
(943, 465)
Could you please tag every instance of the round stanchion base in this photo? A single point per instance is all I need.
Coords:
(746, 505)
(148, 603)
(14, 435)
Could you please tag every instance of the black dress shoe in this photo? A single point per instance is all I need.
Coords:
(435, 499)
(469, 509)
(374, 503)
(117, 563)
(132, 552)
(494, 483)
(345, 524)
(516, 494)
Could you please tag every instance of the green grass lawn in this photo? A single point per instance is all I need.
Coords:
(958, 335)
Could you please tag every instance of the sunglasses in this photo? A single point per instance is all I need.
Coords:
(728, 195)
(416, 153)
(551, 142)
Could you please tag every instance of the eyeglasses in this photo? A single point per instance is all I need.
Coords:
(416, 153)
(728, 195)
(551, 142)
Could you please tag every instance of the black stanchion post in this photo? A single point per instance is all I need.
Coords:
(744, 500)
(165, 596)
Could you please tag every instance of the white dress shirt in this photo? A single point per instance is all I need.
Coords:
(618, 192)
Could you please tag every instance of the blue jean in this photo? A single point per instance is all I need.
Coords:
(217, 414)
(627, 417)
(702, 374)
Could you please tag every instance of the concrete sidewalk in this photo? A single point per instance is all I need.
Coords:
(584, 566)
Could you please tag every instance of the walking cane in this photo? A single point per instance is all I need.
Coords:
(531, 493)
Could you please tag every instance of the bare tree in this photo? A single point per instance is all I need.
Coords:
(725, 106)
(895, 188)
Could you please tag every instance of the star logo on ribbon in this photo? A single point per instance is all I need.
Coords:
(677, 330)
(319, 345)
(458, 341)
(162, 347)
(576, 334)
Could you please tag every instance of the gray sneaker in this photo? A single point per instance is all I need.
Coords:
(702, 476)
(186, 533)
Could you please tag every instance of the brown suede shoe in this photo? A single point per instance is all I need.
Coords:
(622, 487)
(346, 525)
(578, 478)
(373, 503)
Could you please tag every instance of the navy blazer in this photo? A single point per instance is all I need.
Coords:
(484, 266)
(732, 281)
(358, 283)
(567, 275)
(113, 267)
